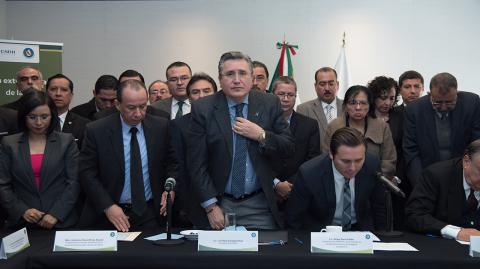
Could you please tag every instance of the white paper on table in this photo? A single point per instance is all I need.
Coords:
(163, 236)
(463, 242)
(393, 246)
(130, 236)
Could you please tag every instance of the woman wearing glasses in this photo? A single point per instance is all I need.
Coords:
(359, 114)
(38, 168)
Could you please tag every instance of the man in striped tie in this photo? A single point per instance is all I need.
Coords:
(339, 189)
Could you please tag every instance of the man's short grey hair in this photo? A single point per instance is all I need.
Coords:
(17, 75)
(234, 55)
(444, 83)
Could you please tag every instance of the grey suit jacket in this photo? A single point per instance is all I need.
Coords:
(314, 110)
(210, 144)
(165, 105)
(59, 186)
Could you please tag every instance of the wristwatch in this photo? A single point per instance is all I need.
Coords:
(262, 138)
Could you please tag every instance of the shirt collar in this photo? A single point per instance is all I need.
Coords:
(333, 103)
(175, 101)
(232, 103)
(126, 126)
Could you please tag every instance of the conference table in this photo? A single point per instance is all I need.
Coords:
(434, 252)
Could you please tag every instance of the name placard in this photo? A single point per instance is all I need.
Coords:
(85, 241)
(360, 243)
(227, 241)
(475, 246)
(14, 243)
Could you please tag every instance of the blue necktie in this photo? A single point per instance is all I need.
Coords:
(347, 207)
(239, 160)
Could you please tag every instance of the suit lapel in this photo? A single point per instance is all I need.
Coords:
(293, 122)
(319, 113)
(456, 193)
(67, 125)
(329, 187)
(51, 143)
(147, 130)
(429, 120)
(115, 136)
(222, 117)
(24, 149)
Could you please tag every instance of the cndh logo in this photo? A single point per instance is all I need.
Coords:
(28, 52)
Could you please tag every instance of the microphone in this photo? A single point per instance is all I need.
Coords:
(170, 184)
(390, 185)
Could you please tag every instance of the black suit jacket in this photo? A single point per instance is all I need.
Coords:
(188, 199)
(59, 185)
(86, 110)
(150, 110)
(102, 164)
(211, 144)
(8, 121)
(311, 204)
(15, 105)
(438, 199)
(420, 144)
(307, 146)
(75, 125)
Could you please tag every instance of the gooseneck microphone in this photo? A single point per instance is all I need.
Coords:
(390, 185)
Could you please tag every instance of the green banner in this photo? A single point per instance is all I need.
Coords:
(47, 57)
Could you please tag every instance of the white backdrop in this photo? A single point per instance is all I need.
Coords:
(383, 37)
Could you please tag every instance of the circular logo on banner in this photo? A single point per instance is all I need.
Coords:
(112, 234)
(28, 52)
(367, 236)
(254, 235)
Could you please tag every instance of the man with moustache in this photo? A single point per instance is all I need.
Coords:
(158, 90)
(178, 76)
(260, 76)
(327, 106)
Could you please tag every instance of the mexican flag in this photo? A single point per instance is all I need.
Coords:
(284, 66)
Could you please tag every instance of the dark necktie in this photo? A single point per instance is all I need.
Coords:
(180, 109)
(472, 201)
(136, 175)
(347, 208)
(239, 160)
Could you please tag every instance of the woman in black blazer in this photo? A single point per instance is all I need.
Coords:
(39, 168)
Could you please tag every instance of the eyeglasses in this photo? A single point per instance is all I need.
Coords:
(448, 104)
(284, 94)
(175, 79)
(357, 103)
(43, 117)
(242, 74)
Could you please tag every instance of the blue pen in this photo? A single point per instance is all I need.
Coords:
(298, 240)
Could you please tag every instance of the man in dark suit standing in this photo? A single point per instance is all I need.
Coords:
(178, 75)
(200, 85)
(233, 134)
(445, 200)
(439, 126)
(339, 189)
(60, 89)
(304, 130)
(104, 95)
(128, 195)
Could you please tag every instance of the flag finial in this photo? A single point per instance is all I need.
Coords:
(343, 40)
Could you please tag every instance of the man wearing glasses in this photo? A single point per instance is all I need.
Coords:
(303, 129)
(178, 76)
(233, 135)
(439, 126)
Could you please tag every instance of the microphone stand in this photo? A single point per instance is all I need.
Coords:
(389, 232)
(169, 241)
